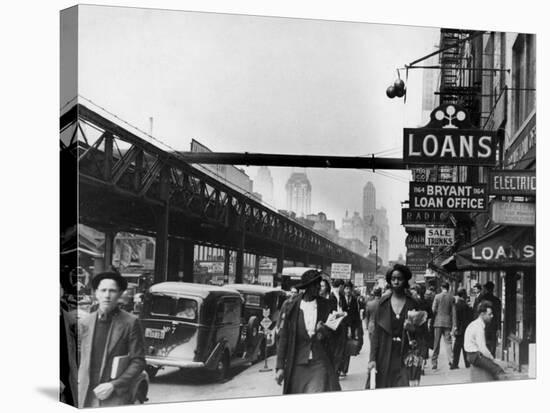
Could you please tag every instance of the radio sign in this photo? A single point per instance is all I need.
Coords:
(449, 139)
(510, 182)
(440, 237)
(422, 217)
(448, 196)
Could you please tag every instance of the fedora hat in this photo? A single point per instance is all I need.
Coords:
(110, 275)
(309, 277)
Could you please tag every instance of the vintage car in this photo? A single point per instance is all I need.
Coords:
(258, 299)
(196, 326)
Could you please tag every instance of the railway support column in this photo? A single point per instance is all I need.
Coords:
(109, 250)
(180, 260)
(163, 219)
(226, 263)
(239, 266)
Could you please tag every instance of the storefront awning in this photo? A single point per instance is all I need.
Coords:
(502, 248)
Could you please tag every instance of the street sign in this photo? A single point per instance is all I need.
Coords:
(440, 237)
(417, 259)
(340, 270)
(513, 213)
(416, 240)
(418, 217)
(448, 196)
(449, 139)
(265, 323)
(511, 182)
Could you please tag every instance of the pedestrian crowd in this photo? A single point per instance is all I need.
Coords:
(403, 323)
(320, 329)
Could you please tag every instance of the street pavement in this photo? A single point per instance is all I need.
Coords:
(172, 385)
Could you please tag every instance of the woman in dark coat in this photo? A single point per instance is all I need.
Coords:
(305, 362)
(390, 342)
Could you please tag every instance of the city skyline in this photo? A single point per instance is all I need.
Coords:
(262, 88)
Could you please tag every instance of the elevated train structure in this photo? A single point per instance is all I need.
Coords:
(125, 183)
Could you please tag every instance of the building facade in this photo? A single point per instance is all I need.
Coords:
(492, 75)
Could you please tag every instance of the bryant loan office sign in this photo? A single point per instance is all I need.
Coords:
(448, 196)
(449, 139)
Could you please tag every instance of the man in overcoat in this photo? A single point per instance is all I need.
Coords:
(464, 316)
(351, 324)
(105, 334)
(444, 324)
(305, 351)
(384, 337)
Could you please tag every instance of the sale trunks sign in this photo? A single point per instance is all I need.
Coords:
(447, 196)
(439, 237)
(449, 139)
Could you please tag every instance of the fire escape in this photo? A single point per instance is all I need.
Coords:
(460, 79)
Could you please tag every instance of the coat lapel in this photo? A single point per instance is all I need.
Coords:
(113, 336)
(384, 312)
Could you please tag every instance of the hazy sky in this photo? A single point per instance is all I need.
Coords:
(259, 84)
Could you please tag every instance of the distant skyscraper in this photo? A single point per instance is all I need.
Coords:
(263, 184)
(298, 194)
(383, 232)
(369, 203)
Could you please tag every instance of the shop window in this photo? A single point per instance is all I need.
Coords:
(523, 80)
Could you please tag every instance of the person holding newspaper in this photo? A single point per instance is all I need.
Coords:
(305, 353)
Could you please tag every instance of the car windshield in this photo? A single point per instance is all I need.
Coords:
(184, 308)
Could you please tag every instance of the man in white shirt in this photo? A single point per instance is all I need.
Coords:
(475, 346)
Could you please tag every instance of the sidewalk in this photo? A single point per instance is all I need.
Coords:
(253, 383)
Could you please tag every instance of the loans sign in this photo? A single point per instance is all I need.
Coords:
(510, 182)
(440, 237)
(448, 196)
(449, 139)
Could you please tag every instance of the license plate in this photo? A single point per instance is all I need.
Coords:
(154, 333)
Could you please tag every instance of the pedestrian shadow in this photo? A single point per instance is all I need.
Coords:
(50, 392)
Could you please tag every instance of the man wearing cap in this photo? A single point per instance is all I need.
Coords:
(106, 335)
(305, 351)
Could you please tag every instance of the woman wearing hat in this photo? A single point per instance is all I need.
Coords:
(306, 345)
(390, 343)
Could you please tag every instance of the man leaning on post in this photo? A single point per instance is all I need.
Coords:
(475, 346)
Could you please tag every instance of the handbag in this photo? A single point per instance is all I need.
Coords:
(352, 347)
